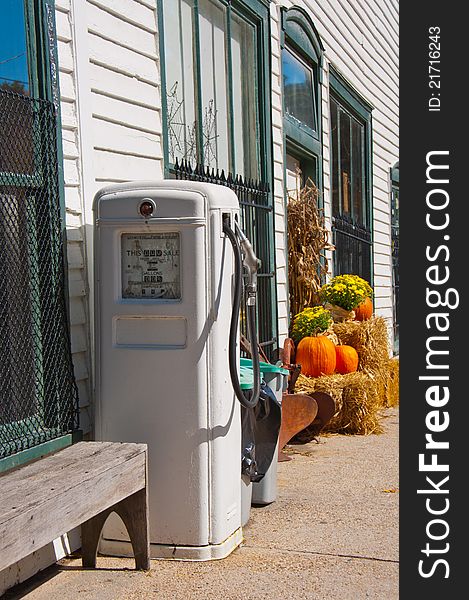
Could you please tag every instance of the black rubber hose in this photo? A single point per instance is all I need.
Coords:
(252, 400)
(252, 334)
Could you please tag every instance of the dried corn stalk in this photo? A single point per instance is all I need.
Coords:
(308, 239)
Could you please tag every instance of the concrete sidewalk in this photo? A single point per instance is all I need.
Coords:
(331, 535)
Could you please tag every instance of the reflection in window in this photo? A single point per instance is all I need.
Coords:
(181, 116)
(212, 121)
(298, 89)
(348, 165)
(245, 111)
(14, 73)
(213, 80)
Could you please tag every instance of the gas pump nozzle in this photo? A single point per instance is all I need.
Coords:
(252, 264)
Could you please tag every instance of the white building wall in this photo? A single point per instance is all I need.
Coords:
(361, 41)
(111, 132)
(75, 223)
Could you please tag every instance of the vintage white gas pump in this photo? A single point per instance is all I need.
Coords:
(166, 283)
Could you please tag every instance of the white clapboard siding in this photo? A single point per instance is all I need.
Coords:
(124, 90)
(76, 249)
(120, 85)
(361, 41)
(136, 12)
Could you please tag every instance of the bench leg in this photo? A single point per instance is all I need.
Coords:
(134, 513)
(90, 534)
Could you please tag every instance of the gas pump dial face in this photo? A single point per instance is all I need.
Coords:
(151, 266)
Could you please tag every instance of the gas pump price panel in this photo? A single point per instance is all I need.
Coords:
(151, 266)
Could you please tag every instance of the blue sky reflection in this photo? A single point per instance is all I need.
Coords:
(13, 46)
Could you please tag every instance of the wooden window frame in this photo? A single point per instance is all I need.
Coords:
(256, 13)
(349, 100)
(299, 35)
(41, 41)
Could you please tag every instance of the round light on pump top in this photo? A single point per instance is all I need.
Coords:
(146, 209)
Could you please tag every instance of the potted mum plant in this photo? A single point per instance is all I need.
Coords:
(348, 297)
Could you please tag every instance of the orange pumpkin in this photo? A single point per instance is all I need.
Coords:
(316, 355)
(364, 310)
(346, 359)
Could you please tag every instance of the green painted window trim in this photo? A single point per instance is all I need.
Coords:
(299, 33)
(394, 172)
(21, 458)
(349, 99)
(257, 11)
(349, 95)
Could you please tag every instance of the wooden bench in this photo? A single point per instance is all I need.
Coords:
(79, 485)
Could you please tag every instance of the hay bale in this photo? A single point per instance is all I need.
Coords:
(370, 339)
(356, 398)
(359, 396)
(392, 391)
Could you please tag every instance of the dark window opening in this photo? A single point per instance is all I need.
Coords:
(350, 182)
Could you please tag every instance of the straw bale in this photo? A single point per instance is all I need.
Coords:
(356, 398)
(370, 339)
(359, 397)
(392, 390)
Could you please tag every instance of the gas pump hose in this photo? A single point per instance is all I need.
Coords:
(250, 400)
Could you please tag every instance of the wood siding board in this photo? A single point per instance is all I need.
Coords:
(65, 54)
(78, 339)
(107, 53)
(118, 30)
(132, 11)
(125, 114)
(107, 164)
(119, 85)
(338, 45)
(117, 138)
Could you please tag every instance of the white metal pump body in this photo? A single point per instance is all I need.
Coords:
(164, 286)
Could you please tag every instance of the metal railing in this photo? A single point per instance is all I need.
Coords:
(38, 394)
(353, 245)
(256, 221)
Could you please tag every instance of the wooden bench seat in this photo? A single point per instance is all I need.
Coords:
(79, 485)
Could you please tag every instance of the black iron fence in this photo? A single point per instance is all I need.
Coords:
(353, 245)
(257, 223)
(38, 395)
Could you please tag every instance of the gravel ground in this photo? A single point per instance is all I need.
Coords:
(332, 534)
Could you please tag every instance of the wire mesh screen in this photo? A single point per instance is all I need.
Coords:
(38, 394)
(256, 222)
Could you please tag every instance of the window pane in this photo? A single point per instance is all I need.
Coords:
(181, 116)
(212, 20)
(14, 73)
(345, 163)
(294, 177)
(245, 119)
(298, 89)
(335, 158)
(358, 176)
